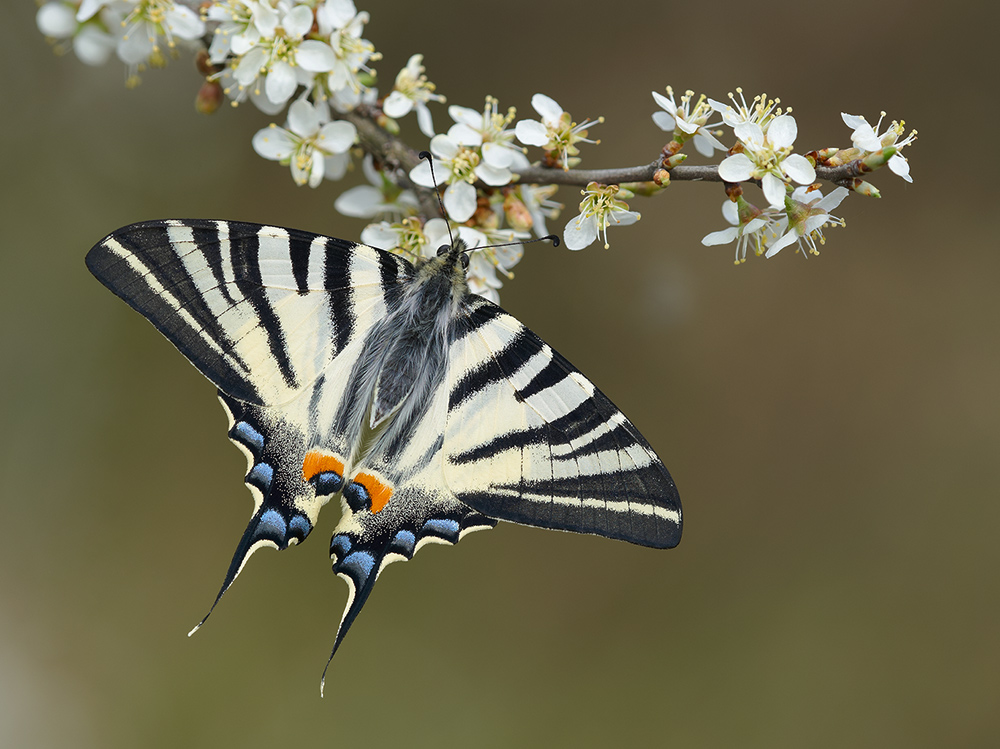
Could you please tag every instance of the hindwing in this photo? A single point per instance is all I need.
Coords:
(531, 440)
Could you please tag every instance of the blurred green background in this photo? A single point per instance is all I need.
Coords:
(832, 423)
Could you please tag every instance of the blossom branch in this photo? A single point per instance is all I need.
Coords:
(310, 60)
(543, 175)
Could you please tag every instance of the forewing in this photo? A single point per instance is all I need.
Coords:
(529, 439)
(240, 300)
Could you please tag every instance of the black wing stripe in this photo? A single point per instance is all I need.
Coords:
(250, 282)
(337, 267)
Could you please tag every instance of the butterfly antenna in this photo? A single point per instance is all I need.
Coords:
(430, 162)
(547, 238)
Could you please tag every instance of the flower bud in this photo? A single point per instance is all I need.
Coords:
(209, 97)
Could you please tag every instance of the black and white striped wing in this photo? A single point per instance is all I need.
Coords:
(275, 318)
(530, 440)
(235, 297)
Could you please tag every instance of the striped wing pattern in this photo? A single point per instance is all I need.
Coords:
(531, 440)
(279, 320)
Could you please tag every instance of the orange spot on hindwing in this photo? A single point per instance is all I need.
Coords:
(379, 492)
(324, 471)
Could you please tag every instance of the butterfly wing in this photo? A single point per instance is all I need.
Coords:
(529, 439)
(274, 318)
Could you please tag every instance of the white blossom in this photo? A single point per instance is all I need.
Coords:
(556, 132)
(599, 210)
(686, 121)
(751, 228)
(413, 91)
(457, 167)
(487, 130)
(92, 44)
(867, 140)
(804, 219)
(767, 156)
(281, 59)
(313, 151)
(352, 53)
(146, 21)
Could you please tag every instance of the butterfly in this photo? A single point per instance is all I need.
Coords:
(348, 372)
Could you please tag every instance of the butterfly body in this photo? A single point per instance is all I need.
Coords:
(349, 373)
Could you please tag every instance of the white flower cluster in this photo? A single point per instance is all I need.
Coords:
(310, 57)
(765, 136)
(134, 29)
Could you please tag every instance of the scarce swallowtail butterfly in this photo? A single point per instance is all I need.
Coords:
(348, 372)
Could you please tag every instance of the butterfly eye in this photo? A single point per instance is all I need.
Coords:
(465, 261)
(443, 250)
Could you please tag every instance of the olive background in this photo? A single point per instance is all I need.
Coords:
(832, 423)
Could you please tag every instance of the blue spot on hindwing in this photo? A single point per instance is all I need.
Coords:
(357, 497)
(300, 526)
(327, 482)
(359, 562)
(272, 525)
(445, 528)
(404, 543)
(260, 476)
(340, 545)
(248, 436)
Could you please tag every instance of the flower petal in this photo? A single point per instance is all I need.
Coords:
(362, 201)
(725, 236)
(789, 237)
(184, 22)
(397, 104)
(274, 143)
(464, 135)
(56, 20)
(664, 121)
(580, 232)
(668, 105)
(337, 136)
(531, 133)
(750, 133)
(335, 165)
(302, 118)
(498, 155)
(92, 45)
(774, 190)
(444, 147)
(137, 46)
(421, 173)
(280, 83)
(460, 201)
(424, 120)
(379, 235)
(782, 131)
(465, 116)
(315, 56)
(736, 168)
(547, 107)
(706, 143)
(493, 176)
(799, 168)
(731, 212)
(900, 166)
(298, 21)
(249, 66)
